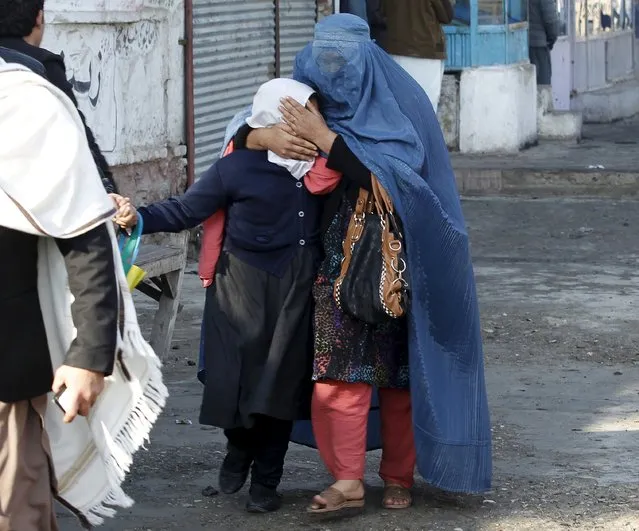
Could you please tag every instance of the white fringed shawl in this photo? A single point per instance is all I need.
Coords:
(49, 186)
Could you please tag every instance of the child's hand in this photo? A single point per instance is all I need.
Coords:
(126, 216)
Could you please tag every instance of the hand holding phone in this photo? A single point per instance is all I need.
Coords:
(76, 390)
(62, 400)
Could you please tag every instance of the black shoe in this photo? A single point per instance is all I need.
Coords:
(234, 471)
(263, 499)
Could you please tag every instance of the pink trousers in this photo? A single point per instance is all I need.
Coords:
(340, 418)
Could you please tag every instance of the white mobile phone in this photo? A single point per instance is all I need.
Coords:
(62, 400)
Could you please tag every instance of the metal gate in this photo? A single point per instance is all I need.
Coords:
(237, 46)
(297, 22)
(233, 54)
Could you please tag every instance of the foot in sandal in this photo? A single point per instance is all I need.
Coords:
(341, 495)
(397, 497)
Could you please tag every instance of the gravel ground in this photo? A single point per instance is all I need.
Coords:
(558, 288)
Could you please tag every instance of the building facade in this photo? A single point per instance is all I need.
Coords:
(237, 46)
(158, 80)
(125, 61)
(595, 61)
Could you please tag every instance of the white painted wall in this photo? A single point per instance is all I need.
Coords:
(602, 60)
(562, 71)
(126, 63)
(497, 108)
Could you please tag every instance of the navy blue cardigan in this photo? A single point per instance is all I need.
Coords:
(270, 214)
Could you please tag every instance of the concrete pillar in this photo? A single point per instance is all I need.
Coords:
(497, 109)
(448, 111)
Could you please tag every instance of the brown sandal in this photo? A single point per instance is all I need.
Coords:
(335, 501)
(395, 492)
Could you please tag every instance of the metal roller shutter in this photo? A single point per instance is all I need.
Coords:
(233, 54)
(297, 22)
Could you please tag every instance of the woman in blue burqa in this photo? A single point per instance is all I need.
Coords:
(414, 386)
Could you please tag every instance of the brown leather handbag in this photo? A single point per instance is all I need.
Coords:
(372, 284)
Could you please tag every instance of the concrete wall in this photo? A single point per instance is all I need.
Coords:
(605, 70)
(448, 110)
(562, 73)
(602, 60)
(125, 62)
(596, 75)
(497, 109)
(489, 109)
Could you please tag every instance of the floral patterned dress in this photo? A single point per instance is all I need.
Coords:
(347, 349)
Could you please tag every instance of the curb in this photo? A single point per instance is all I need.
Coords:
(548, 183)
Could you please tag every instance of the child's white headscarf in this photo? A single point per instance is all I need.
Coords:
(266, 113)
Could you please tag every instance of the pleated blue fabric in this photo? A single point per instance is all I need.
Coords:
(388, 122)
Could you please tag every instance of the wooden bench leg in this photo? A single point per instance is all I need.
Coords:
(164, 323)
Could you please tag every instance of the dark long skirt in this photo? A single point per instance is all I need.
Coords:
(258, 344)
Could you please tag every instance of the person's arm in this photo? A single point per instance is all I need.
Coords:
(550, 20)
(343, 160)
(376, 19)
(106, 176)
(276, 139)
(309, 124)
(205, 197)
(56, 74)
(91, 356)
(240, 140)
(443, 11)
(93, 284)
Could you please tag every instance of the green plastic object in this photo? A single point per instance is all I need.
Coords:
(129, 245)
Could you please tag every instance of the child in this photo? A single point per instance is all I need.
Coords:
(261, 252)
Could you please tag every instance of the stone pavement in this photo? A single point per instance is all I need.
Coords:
(604, 163)
(558, 281)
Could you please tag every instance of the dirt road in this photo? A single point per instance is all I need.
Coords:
(558, 284)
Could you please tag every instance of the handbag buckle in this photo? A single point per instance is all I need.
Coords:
(359, 226)
(395, 246)
(399, 266)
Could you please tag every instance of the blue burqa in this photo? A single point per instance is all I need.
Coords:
(388, 122)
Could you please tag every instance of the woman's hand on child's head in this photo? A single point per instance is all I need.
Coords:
(282, 141)
(307, 124)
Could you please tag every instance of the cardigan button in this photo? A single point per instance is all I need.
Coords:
(299, 184)
(301, 214)
(302, 242)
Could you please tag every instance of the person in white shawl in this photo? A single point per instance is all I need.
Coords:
(64, 307)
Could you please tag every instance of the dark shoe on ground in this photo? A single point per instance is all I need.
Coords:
(234, 471)
(263, 499)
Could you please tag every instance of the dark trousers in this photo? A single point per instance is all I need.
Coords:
(540, 57)
(266, 444)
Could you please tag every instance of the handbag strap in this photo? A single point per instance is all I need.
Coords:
(364, 204)
(379, 201)
(383, 202)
